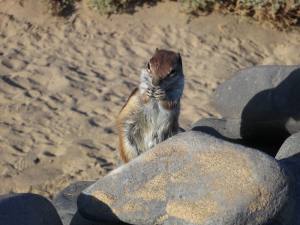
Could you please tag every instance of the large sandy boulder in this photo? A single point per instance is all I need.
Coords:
(262, 101)
(192, 178)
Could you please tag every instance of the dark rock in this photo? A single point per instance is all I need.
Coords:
(292, 167)
(266, 100)
(78, 219)
(191, 178)
(93, 209)
(273, 223)
(27, 209)
(66, 204)
(289, 159)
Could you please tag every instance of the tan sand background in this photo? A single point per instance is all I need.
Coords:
(63, 81)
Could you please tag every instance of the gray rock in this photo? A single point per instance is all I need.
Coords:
(289, 159)
(292, 167)
(228, 130)
(27, 209)
(290, 147)
(66, 204)
(266, 100)
(191, 178)
(221, 128)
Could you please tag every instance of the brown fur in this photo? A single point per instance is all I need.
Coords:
(129, 107)
(162, 62)
(151, 112)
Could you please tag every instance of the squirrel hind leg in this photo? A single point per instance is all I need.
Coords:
(127, 151)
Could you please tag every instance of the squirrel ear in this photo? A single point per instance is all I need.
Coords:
(178, 55)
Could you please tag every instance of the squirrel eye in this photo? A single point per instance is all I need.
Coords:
(172, 73)
(148, 66)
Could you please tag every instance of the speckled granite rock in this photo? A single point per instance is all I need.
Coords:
(192, 178)
(27, 209)
(264, 100)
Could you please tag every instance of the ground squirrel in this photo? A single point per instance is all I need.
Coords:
(151, 112)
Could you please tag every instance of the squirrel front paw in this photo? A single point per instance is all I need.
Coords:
(150, 92)
(155, 93)
(159, 94)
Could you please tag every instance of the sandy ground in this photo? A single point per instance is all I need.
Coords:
(63, 81)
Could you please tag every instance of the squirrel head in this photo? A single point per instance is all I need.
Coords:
(164, 66)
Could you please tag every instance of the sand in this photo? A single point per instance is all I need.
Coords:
(63, 81)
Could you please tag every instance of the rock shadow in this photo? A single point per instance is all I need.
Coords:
(292, 166)
(96, 210)
(268, 118)
(79, 220)
(273, 114)
(131, 6)
(268, 148)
